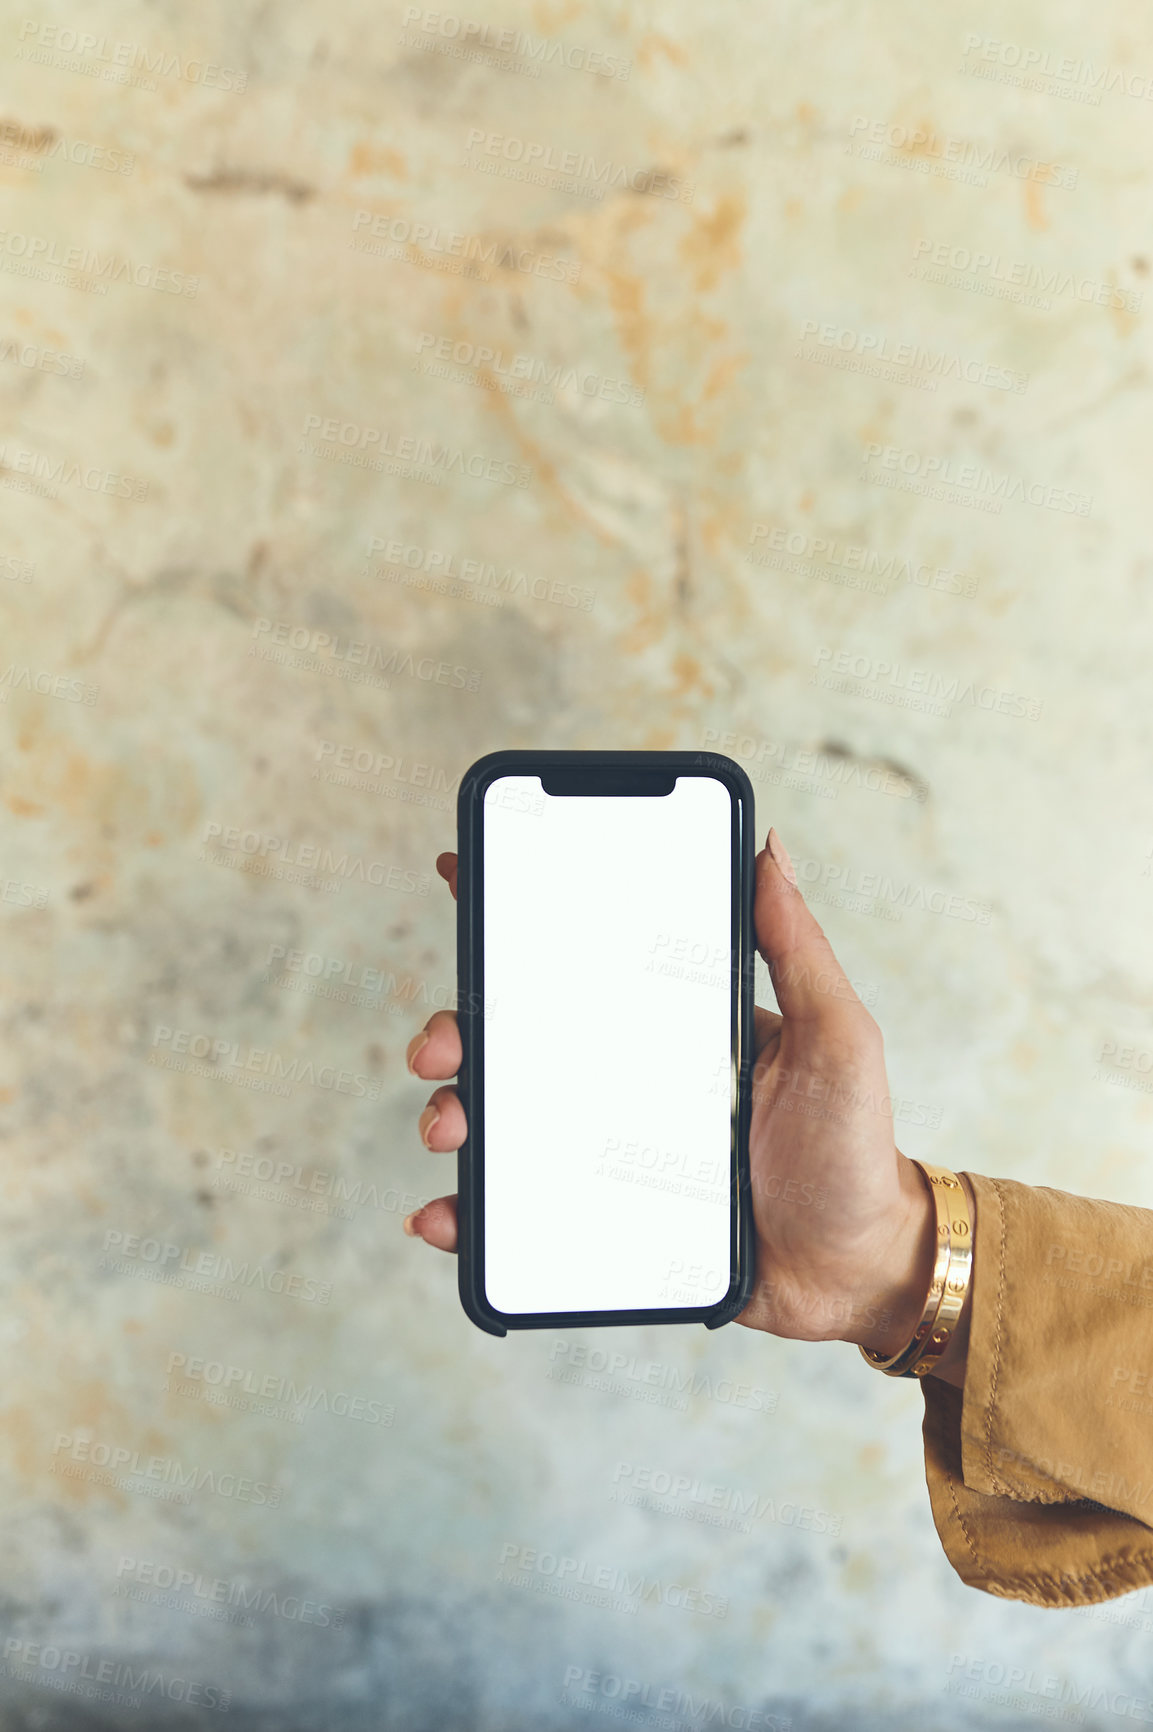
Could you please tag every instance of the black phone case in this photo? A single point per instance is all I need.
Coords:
(594, 772)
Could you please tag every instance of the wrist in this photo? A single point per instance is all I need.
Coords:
(898, 1282)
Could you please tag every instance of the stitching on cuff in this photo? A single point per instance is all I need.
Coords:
(1056, 1584)
(996, 1482)
(1021, 1493)
(1047, 1582)
(964, 1527)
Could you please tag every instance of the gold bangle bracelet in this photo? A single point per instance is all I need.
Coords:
(959, 1272)
(952, 1269)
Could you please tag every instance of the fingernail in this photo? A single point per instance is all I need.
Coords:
(426, 1122)
(408, 1226)
(781, 855)
(414, 1047)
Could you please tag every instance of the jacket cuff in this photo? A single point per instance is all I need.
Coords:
(1039, 1472)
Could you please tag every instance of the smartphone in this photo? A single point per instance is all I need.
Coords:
(605, 991)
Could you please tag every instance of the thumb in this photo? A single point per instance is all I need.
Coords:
(809, 982)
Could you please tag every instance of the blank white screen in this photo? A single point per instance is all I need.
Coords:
(607, 1073)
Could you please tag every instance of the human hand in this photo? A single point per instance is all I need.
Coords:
(845, 1224)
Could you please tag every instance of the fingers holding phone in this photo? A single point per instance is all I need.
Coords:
(436, 1052)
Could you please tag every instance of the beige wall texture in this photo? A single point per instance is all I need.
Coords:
(383, 386)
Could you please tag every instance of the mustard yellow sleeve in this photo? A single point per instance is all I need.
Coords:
(1040, 1470)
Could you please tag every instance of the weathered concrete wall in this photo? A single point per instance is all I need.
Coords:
(820, 394)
